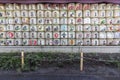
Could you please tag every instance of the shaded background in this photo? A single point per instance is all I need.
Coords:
(59, 1)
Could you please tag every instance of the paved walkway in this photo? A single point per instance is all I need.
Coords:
(55, 77)
(48, 77)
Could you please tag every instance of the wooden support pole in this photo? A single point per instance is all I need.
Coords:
(81, 61)
(22, 59)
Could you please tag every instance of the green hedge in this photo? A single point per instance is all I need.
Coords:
(12, 61)
(33, 61)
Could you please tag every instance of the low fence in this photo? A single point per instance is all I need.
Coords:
(65, 49)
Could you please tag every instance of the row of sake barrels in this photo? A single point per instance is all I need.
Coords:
(55, 35)
(69, 21)
(62, 13)
(61, 42)
(58, 28)
(50, 6)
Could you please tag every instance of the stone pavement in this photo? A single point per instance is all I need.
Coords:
(34, 76)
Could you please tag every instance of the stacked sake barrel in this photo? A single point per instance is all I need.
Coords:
(59, 24)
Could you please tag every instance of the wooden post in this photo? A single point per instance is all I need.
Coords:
(81, 61)
(22, 59)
